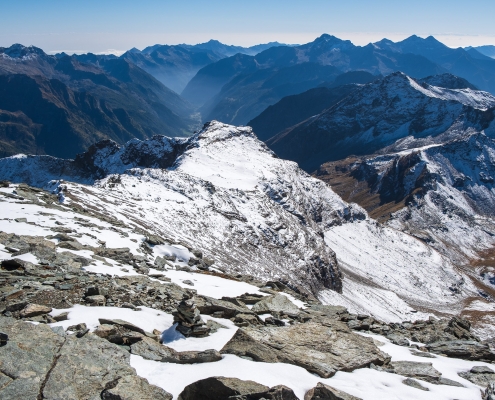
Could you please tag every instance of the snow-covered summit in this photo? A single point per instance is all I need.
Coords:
(222, 190)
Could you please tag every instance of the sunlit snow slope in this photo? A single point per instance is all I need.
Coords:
(222, 191)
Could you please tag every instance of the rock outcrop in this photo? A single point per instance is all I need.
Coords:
(36, 362)
(322, 349)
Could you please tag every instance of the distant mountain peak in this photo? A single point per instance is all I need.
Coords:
(19, 51)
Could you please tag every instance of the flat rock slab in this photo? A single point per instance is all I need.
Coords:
(418, 370)
(322, 349)
(221, 388)
(480, 376)
(325, 392)
(120, 322)
(33, 310)
(415, 384)
(131, 387)
(465, 349)
(26, 358)
(209, 305)
(277, 303)
(152, 350)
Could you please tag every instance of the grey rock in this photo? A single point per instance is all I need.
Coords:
(280, 392)
(152, 350)
(479, 375)
(122, 323)
(449, 382)
(489, 393)
(423, 354)
(59, 330)
(277, 303)
(418, 370)
(415, 384)
(85, 367)
(465, 349)
(97, 300)
(61, 317)
(132, 387)
(208, 305)
(221, 388)
(325, 392)
(321, 349)
(330, 311)
(27, 357)
(155, 240)
(398, 340)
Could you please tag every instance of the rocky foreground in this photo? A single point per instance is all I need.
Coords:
(46, 356)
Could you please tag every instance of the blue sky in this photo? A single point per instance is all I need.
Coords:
(110, 25)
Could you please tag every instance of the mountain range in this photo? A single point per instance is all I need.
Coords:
(361, 197)
(60, 106)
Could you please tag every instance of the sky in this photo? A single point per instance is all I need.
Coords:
(102, 26)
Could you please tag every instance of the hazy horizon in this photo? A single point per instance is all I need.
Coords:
(116, 26)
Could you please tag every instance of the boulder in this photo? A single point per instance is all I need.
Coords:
(325, 392)
(465, 349)
(37, 362)
(419, 370)
(131, 387)
(277, 303)
(221, 388)
(32, 310)
(322, 349)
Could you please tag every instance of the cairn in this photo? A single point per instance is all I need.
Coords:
(188, 319)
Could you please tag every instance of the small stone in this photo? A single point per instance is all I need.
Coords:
(415, 384)
(61, 317)
(96, 300)
(104, 331)
(188, 282)
(4, 338)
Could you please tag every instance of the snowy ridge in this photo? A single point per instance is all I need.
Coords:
(475, 98)
(223, 192)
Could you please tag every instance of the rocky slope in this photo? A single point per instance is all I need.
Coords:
(396, 110)
(224, 192)
(441, 194)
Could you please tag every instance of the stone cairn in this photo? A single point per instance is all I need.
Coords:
(188, 319)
